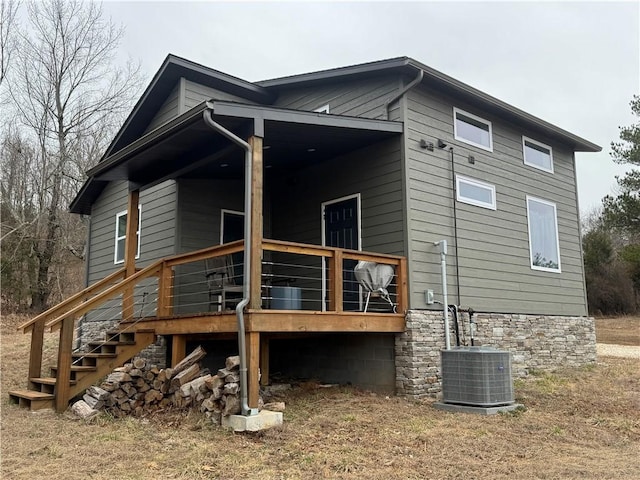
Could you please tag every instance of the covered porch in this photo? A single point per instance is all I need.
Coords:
(267, 160)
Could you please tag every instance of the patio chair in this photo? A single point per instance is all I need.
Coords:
(374, 279)
(221, 282)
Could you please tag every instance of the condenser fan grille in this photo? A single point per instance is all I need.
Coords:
(477, 376)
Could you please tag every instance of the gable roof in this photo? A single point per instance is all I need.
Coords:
(165, 79)
(409, 66)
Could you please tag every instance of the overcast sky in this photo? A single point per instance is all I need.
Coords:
(574, 64)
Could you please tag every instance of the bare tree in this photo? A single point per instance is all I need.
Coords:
(8, 35)
(67, 92)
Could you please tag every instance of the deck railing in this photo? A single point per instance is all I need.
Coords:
(324, 288)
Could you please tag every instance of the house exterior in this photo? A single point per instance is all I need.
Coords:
(384, 158)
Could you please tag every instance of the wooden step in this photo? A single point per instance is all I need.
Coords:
(44, 384)
(94, 355)
(31, 399)
(111, 343)
(77, 371)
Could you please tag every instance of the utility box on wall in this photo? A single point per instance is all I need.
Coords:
(477, 376)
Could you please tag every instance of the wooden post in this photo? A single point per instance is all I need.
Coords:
(130, 250)
(35, 356)
(336, 283)
(253, 367)
(264, 360)
(256, 186)
(178, 349)
(402, 287)
(63, 374)
(165, 291)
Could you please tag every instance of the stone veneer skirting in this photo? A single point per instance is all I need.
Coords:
(535, 341)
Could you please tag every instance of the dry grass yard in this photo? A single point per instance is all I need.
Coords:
(579, 423)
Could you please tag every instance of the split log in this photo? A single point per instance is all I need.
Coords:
(232, 363)
(274, 406)
(98, 393)
(83, 410)
(184, 376)
(93, 402)
(139, 363)
(118, 377)
(231, 389)
(214, 382)
(191, 359)
(231, 405)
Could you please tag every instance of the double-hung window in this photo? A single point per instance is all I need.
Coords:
(469, 128)
(544, 245)
(537, 155)
(121, 235)
(475, 192)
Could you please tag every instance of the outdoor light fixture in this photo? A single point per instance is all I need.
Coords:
(472, 159)
(426, 145)
(441, 144)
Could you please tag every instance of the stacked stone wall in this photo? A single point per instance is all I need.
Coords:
(535, 342)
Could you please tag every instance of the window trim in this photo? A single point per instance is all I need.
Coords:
(322, 109)
(526, 139)
(118, 238)
(555, 217)
(457, 110)
(473, 201)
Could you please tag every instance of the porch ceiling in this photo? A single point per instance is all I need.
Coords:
(186, 147)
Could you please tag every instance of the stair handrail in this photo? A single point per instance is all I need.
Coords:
(154, 269)
(73, 300)
(108, 294)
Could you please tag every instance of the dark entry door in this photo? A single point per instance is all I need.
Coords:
(341, 229)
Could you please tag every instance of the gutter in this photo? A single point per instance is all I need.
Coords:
(246, 287)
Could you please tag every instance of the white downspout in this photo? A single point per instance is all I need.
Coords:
(445, 301)
(208, 119)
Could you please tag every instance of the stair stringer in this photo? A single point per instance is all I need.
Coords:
(104, 366)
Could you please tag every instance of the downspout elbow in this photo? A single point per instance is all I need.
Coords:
(413, 83)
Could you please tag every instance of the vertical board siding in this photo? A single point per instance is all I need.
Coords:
(158, 230)
(493, 246)
(168, 110)
(195, 93)
(356, 98)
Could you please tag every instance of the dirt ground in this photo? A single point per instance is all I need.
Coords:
(577, 423)
(618, 331)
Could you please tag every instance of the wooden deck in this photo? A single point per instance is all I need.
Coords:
(261, 324)
(271, 321)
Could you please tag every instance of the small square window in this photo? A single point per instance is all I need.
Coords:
(544, 245)
(473, 130)
(537, 155)
(475, 192)
(121, 235)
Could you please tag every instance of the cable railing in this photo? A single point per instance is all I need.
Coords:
(293, 276)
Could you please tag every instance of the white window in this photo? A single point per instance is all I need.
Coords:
(322, 109)
(475, 192)
(473, 130)
(537, 155)
(121, 235)
(544, 245)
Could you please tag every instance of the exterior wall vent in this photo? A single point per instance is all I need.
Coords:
(476, 376)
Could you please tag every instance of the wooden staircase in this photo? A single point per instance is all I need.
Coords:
(86, 369)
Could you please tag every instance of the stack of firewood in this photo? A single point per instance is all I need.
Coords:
(138, 388)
